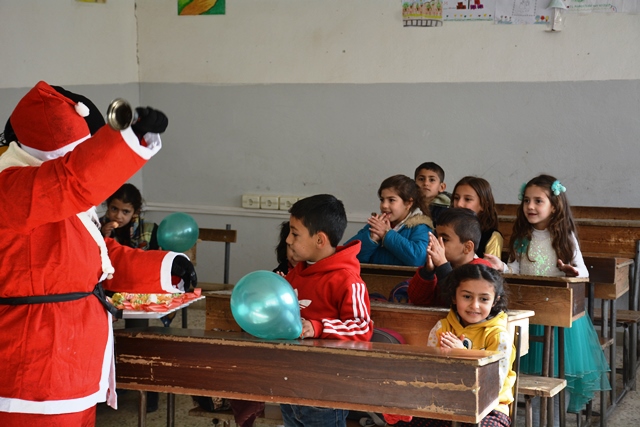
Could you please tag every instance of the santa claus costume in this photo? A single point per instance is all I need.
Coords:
(56, 345)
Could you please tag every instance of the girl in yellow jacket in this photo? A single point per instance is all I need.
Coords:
(477, 320)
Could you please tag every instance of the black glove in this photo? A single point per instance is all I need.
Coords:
(183, 268)
(149, 120)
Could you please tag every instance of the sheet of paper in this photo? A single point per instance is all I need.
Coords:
(468, 10)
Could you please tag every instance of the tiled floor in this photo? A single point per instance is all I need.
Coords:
(625, 415)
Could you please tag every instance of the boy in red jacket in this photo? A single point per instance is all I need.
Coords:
(459, 233)
(333, 298)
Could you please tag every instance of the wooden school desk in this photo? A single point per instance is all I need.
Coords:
(456, 385)
(556, 301)
(412, 322)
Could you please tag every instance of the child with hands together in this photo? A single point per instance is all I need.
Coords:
(399, 235)
(458, 234)
(477, 321)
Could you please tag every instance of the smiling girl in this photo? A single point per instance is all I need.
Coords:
(399, 234)
(475, 193)
(477, 321)
(544, 243)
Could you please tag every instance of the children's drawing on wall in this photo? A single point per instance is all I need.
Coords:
(468, 10)
(522, 12)
(422, 13)
(201, 7)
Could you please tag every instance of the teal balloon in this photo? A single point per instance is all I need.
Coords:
(177, 232)
(265, 305)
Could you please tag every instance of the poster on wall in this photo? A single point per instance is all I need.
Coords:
(201, 7)
(468, 10)
(422, 13)
(611, 6)
(522, 12)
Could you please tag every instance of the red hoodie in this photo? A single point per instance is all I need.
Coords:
(333, 296)
(423, 286)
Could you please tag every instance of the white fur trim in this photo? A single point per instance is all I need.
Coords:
(154, 143)
(50, 155)
(82, 109)
(87, 220)
(165, 272)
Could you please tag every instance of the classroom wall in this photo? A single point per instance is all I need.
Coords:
(298, 98)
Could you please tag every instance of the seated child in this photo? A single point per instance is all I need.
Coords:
(475, 193)
(477, 321)
(283, 254)
(334, 302)
(123, 220)
(458, 234)
(399, 235)
(430, 179)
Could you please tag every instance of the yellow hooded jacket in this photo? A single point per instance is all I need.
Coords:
(492, 335)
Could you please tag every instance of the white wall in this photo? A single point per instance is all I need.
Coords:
(363, 41)
(67, 42)
(301, 97)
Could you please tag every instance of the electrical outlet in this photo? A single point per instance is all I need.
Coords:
(251, 201)
(269, 202)
(286, 202)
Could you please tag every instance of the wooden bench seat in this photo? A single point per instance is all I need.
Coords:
(531, 386)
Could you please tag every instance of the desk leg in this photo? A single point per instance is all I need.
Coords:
(547, 371)
(591, 299)
(171, 410)
(142, 409)
(561, 374)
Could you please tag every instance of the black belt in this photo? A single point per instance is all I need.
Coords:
(98, 291)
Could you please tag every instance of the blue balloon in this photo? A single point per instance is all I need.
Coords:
(265, 305)
(178, 232)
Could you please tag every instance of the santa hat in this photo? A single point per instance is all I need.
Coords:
(48, 124)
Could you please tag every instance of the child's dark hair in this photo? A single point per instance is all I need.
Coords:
(477, 272)
(464, 223)
(488, 217)
(322, 212)
(561, 223)
(430, 166)
(128, 193)
(281, 249)
(406, 188)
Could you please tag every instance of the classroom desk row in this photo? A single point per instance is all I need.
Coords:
(299, 371)
(556, 302)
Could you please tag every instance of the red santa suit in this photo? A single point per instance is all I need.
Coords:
(57, 357)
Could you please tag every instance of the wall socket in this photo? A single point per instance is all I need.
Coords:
(287, 201)
(251, 201)
(269, 202)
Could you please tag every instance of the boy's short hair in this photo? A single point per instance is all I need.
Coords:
(322, 212)
(430, 166)
(464, 222)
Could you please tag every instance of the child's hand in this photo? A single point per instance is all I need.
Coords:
(307, 329)
(108, 228)
(567, 269)
(435, 250)
(378, 226)
(449, 340)
(496, 263)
